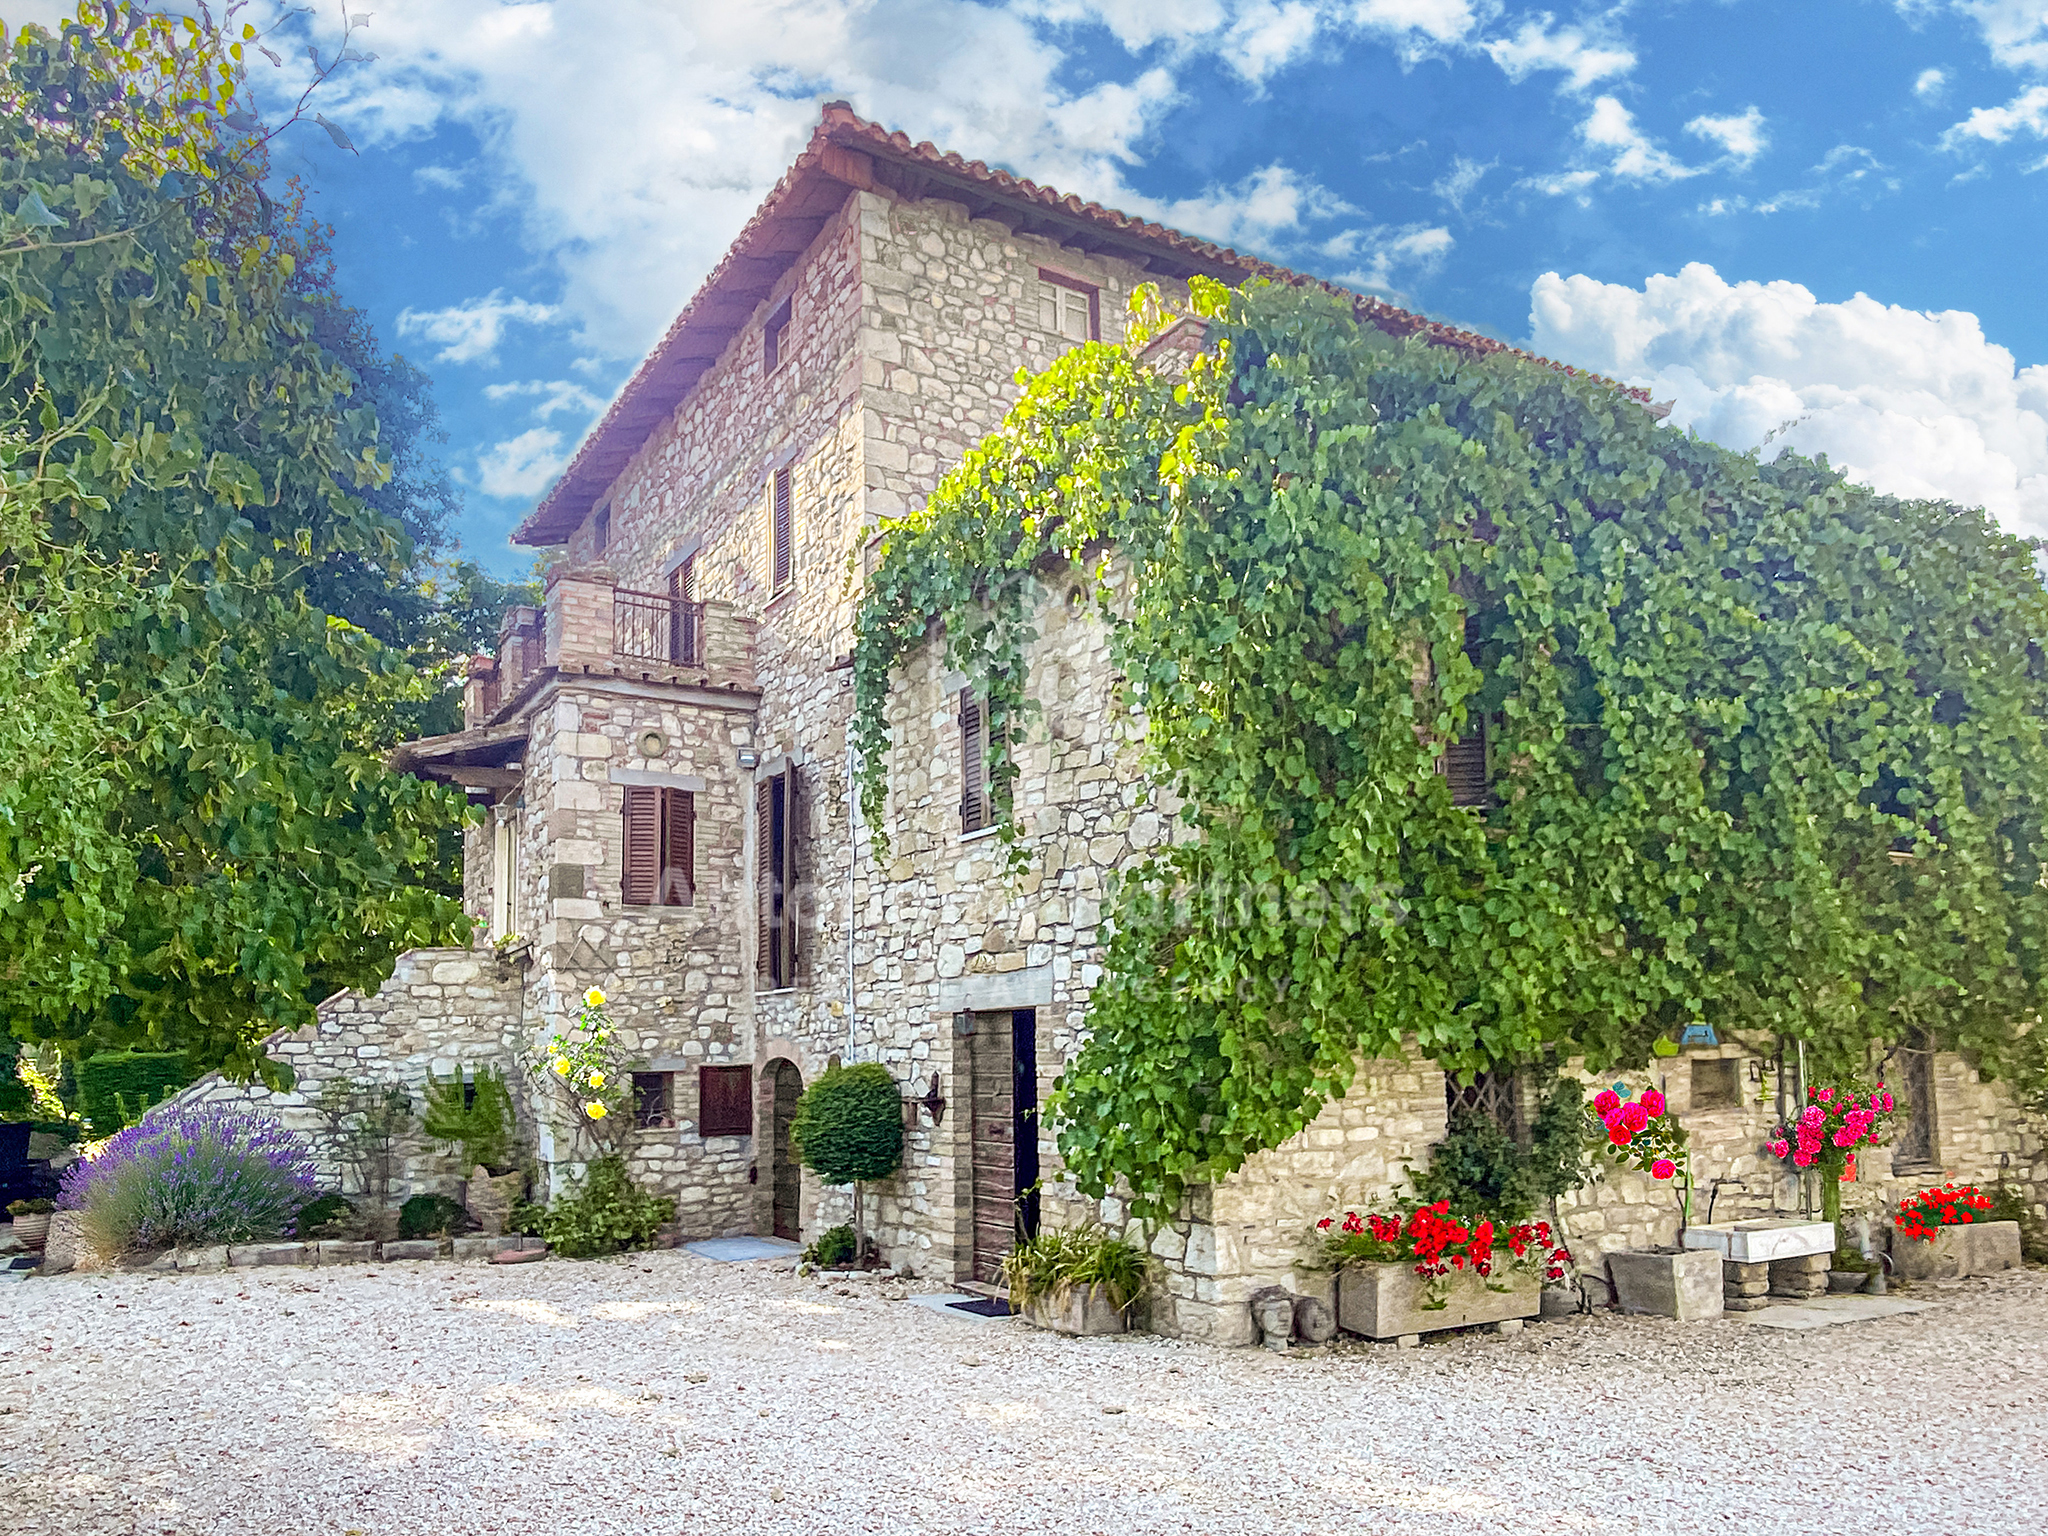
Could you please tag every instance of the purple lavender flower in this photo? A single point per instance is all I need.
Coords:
(186, 1173)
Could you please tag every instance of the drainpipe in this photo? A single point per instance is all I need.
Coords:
(852, 860)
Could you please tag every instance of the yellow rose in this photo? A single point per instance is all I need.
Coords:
(561, 1066)
(594, 1109)
(593, 998)
(597, 1079)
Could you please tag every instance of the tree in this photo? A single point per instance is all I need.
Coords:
(1758, 745)
(848, 1129)
(199, 836)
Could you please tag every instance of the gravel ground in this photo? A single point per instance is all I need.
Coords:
(667, 1393)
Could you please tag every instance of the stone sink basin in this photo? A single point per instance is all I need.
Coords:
(1758, 1242)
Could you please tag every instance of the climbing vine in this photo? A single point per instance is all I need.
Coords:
(1765, 747)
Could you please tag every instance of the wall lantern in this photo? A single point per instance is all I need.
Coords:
(1699, 1034)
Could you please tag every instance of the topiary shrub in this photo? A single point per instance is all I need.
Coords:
(429, 1216)
(191, 1175)
(606, 1213)
(848, 1129)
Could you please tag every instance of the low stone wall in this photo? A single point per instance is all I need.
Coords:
(442, 1010)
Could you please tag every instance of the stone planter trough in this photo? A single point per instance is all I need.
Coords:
(1972, 1248)
(1759, 1242)
(1084, 1311)
(1685, 1284)
(1385, 1301)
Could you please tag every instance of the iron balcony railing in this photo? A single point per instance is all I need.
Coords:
(650, 626)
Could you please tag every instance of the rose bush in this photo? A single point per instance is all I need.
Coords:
(1825, 1134)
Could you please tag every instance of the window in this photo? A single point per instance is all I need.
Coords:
(504, 878)
(1465, 763)
(780, 531)
(601, 531)
(977, 796)
(725, 1101)
(1916, 1144)
(779, 813)
(654, 1105)
(659, 856)
(1716, 1083)
(774, 338)
(1495, 1095)
(682, 613)
(1072, 311)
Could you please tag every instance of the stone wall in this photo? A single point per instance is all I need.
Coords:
(443, 1010)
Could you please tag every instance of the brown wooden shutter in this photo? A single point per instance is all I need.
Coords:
(764, 878)
(640, 846)
(782, 529)
(795, 835)
(1465, 766)
(678, 848)
(973, 764)
(725, 1101)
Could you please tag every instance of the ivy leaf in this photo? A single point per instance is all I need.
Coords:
(32, 212)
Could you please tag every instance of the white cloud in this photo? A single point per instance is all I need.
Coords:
(521, 467)
(554, 395)
(2016, 31)
(1542, 45)
(1741, 137)
(1915, 404)
(1610, 130)
(2026, 112)
(1415, 249)
(447, 178)
(1413, 21)
(470, 332)
(1928, 84)
(1262, 207)
(1460, 181)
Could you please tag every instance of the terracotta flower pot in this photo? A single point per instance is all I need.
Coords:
(32, 1231)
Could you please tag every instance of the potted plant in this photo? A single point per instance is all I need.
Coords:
(1638, 1131)
(1415, 1273)
(31, 1221)
(1080, 1281)
(1950, 1232)
(473, 1117)
(848, 1129)
(1824, 1136)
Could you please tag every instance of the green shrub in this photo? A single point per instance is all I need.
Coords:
(833, 1248)
(1056, 1260)
(475, 1116)
(30, 1207)
(849, 1124)
(328, 1216)
(2010, 1203)
(606, 1213)
(429, 1216)
(116, 1088)
(526, 1218)
(1481, 1170)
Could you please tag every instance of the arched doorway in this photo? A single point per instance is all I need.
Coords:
(785, 1173)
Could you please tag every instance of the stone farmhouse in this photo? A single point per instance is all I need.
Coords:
(663, 754)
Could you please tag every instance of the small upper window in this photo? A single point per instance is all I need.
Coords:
(1072, 311)
(775, 338)
(978, 808)
(601, 531)
(781, 533)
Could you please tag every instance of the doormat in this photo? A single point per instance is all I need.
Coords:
(983, 1306)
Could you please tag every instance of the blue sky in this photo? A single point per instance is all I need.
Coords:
(1688, 193)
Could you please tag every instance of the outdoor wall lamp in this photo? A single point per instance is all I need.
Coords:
(749, 758)
(934, 1102)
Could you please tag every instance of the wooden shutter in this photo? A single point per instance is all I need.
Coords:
(764, 878)
(1465, 766)
(678, 848)
(725, 1101)
(640, 846)
(795, 834)
(973, 763)
(781, 521)
(682, 615)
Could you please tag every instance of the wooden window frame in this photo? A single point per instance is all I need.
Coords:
(781, 532)
(504, 877)
(775, 336)
(657, 847)
(978, 809)
(736, 1108)
(780, 816)
(1051, 279)
(1497, 1094)
(654, 1113)
(1917, 1093)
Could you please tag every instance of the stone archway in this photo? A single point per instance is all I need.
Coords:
(785, 1173)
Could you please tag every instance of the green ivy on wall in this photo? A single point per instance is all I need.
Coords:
(1765, 747)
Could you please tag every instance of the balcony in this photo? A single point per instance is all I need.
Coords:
(592, 626)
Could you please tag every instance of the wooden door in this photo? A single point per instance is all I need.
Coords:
(784, 1169)
(1003, 1062)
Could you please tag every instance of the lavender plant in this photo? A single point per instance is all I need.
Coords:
(192, 1175)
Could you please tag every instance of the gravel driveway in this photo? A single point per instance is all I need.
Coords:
(668, 1393)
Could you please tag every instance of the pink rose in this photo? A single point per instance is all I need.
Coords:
(1803, 1158)
(1652, 1102)
(1663, 1168)
(1618, 1136)
(1826, 1095)
(1814, 1116)
(1634, 1118)
(1844, 1137)
(1606, 1102)
(1781, 1148)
